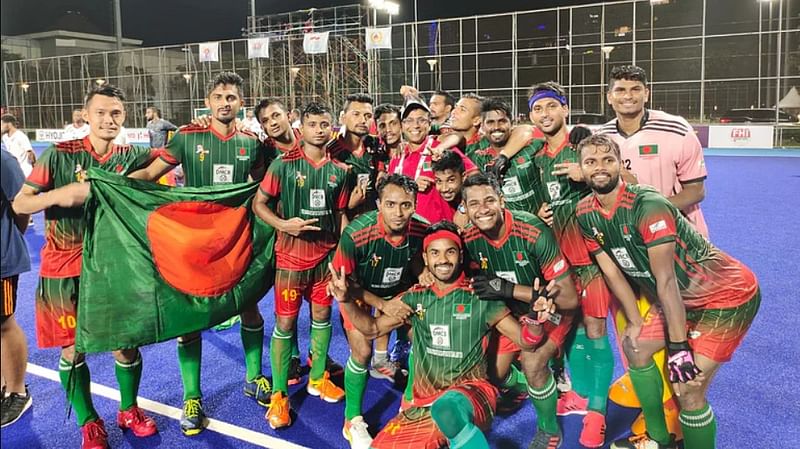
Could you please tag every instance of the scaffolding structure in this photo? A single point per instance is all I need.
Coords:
(703, 57)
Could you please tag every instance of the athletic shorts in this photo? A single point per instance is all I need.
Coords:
(415, 428)
(292, 286)
(592, 290)
(56, 311)
(9, 296)
(713, 333)
(500, 344)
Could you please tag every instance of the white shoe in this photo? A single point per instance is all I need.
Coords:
(355, 431)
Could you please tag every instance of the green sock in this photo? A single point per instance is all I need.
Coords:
(601, 366)
(649, 388)
(128, 377)
(408, 394)
(279, 355)
(699, 428)
(355, 383)
(515, 380)
(79, 392)
(545, 401)
(253, 344)
(320, 341)
(189, 357)
(577, 353)
(295, 344)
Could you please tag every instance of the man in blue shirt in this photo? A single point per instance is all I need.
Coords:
(14, 260)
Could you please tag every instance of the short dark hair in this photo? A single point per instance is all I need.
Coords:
(314, 108)
(481, 179)
(8, 118)
(404, 182)
(449, 99)
(444, 225)
(473, 96)
(627, 72)
(450, 160)
(226, 79)
(156, 110)
(552, 86)
(602, 141)
(267, 102)
(356, 98)
(495, 104)
(106, 90)
(387, 108)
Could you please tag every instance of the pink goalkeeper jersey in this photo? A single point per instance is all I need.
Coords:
(663, 153)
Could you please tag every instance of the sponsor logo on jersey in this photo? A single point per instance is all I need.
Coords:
(317, 198)
(521, 259)
(462, 311)
(201, 152)
(559, 266)
(648, 150)
(440, 335)
(624, 259)
(554, 189)
(375, 260)
(598, 236)
(391, 276)
(660, 225)
(80, 173)
(223, 173)
(300, 179)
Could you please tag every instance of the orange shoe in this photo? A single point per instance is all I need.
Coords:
(594, 430)
(278, 413)
(325, 389)
(671, 413)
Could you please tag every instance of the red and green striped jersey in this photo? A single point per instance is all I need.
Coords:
(449, 327)
(275, 148)
(365, 163)
(521, 183)
(307, 190)
(527, 250)
(642, 218)
(63, 164)
(209, 158)
(563, 194)
(381, 266)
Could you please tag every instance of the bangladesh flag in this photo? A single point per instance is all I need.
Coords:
(160, 262)
(648, 150)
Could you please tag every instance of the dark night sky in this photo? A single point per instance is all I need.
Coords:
(162, 22)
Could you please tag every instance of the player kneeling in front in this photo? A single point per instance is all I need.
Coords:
(639, 238)
(452, 396)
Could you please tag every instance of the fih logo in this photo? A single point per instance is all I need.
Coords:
(739, 134)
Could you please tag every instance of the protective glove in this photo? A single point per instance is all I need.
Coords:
(492, 288)
(577, 134)
(680, 363)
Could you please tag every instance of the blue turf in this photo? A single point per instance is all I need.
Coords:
(751, 210)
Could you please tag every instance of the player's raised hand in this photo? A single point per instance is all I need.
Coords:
(546, 214)
(578, 133)
(409, 91)
(492, 287)
(570, 169)
(499, 166)
(543, 307)
(426, 278)
(424, 182)
(203, 121)
(295, 226)
(337, 287)
(396, 308)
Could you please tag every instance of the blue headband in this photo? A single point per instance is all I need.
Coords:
(546, 94)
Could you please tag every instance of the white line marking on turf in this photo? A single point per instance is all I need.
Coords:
(240, 433)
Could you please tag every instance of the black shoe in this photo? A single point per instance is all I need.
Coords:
(295, 371)
(14, 406)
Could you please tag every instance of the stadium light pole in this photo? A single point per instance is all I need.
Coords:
(607, 49)
(118, 24)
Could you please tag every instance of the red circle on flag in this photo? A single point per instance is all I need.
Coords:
(242, 151)
(460, 308)
(200, 248)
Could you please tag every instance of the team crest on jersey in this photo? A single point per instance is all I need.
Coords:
(80, 173)
(242, 156)
(300, 179)
(598, 236)
(462, 311)
(201, 152)
(420, 311)
(484, 261)
(626, 232)
(521, 259)
(375, 260)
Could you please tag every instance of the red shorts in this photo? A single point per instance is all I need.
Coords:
(416, 429)
(292, 286)
(56, 311)
(713, 333)
(558, 334)
(594, 293)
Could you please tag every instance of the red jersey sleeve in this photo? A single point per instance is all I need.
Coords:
(656, 224)
(271, 184)
(345, 254)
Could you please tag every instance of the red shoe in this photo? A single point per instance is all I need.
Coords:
(137, 422)
(94, 435)
(571, 403)
(594, 430)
